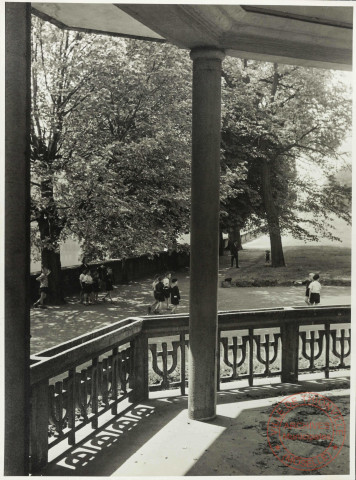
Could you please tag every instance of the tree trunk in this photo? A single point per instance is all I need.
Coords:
(238, 238)
(52, 260)
(235, 236)
(272, 217)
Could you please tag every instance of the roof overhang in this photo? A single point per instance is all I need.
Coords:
(316, 36)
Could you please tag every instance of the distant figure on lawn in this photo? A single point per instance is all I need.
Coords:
(233, 246)
(307, 282)
(267, 257)
(314, 291)
(44, 290)
(175, 295)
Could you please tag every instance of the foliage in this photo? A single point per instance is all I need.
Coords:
(132, 184)
(110, 142)
(295, 119)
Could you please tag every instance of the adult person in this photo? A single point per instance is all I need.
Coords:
(234, 250)
(44, 290)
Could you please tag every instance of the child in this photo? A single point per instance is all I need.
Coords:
(314, 290)
(44, 290)
(175, 295)
(267, 257)
(167, 287)
(88, 288)
(81, 281)
(159, 297)
(96, 287)
(108, 284)
(307, 283)
(102, 275)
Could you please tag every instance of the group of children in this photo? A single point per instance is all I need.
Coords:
(164, 288)
(92, 281)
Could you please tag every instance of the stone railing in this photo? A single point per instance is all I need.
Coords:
(75, 383)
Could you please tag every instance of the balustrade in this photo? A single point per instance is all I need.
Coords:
(74, 383)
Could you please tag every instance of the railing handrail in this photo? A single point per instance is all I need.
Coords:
(53, 366)
(76, 383)
(56, 360)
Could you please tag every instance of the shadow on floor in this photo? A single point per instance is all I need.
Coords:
(157, 437)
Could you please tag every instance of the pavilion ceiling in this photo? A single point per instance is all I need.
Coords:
(319, 36)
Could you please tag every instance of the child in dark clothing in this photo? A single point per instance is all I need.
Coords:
(159, 297)
(307, 283)
(108, 284)
(175, 295)
(96, 287)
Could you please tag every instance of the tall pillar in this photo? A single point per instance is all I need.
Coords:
(17, 237)
(204, 243)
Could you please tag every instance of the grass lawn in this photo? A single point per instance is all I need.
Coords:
(332, 263)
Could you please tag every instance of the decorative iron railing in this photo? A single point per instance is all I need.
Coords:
(75, 383)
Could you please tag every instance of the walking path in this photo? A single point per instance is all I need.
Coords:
(57, 324)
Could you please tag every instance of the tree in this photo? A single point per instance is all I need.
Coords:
(109, 138)
(131, 176)
(58, 88)
(278, 118)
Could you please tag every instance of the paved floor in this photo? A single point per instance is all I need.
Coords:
(55, 325)
(156, 438)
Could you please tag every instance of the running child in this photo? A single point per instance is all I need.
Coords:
(44, 290)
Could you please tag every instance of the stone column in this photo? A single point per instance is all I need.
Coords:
(17, 237)
(204, 246)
